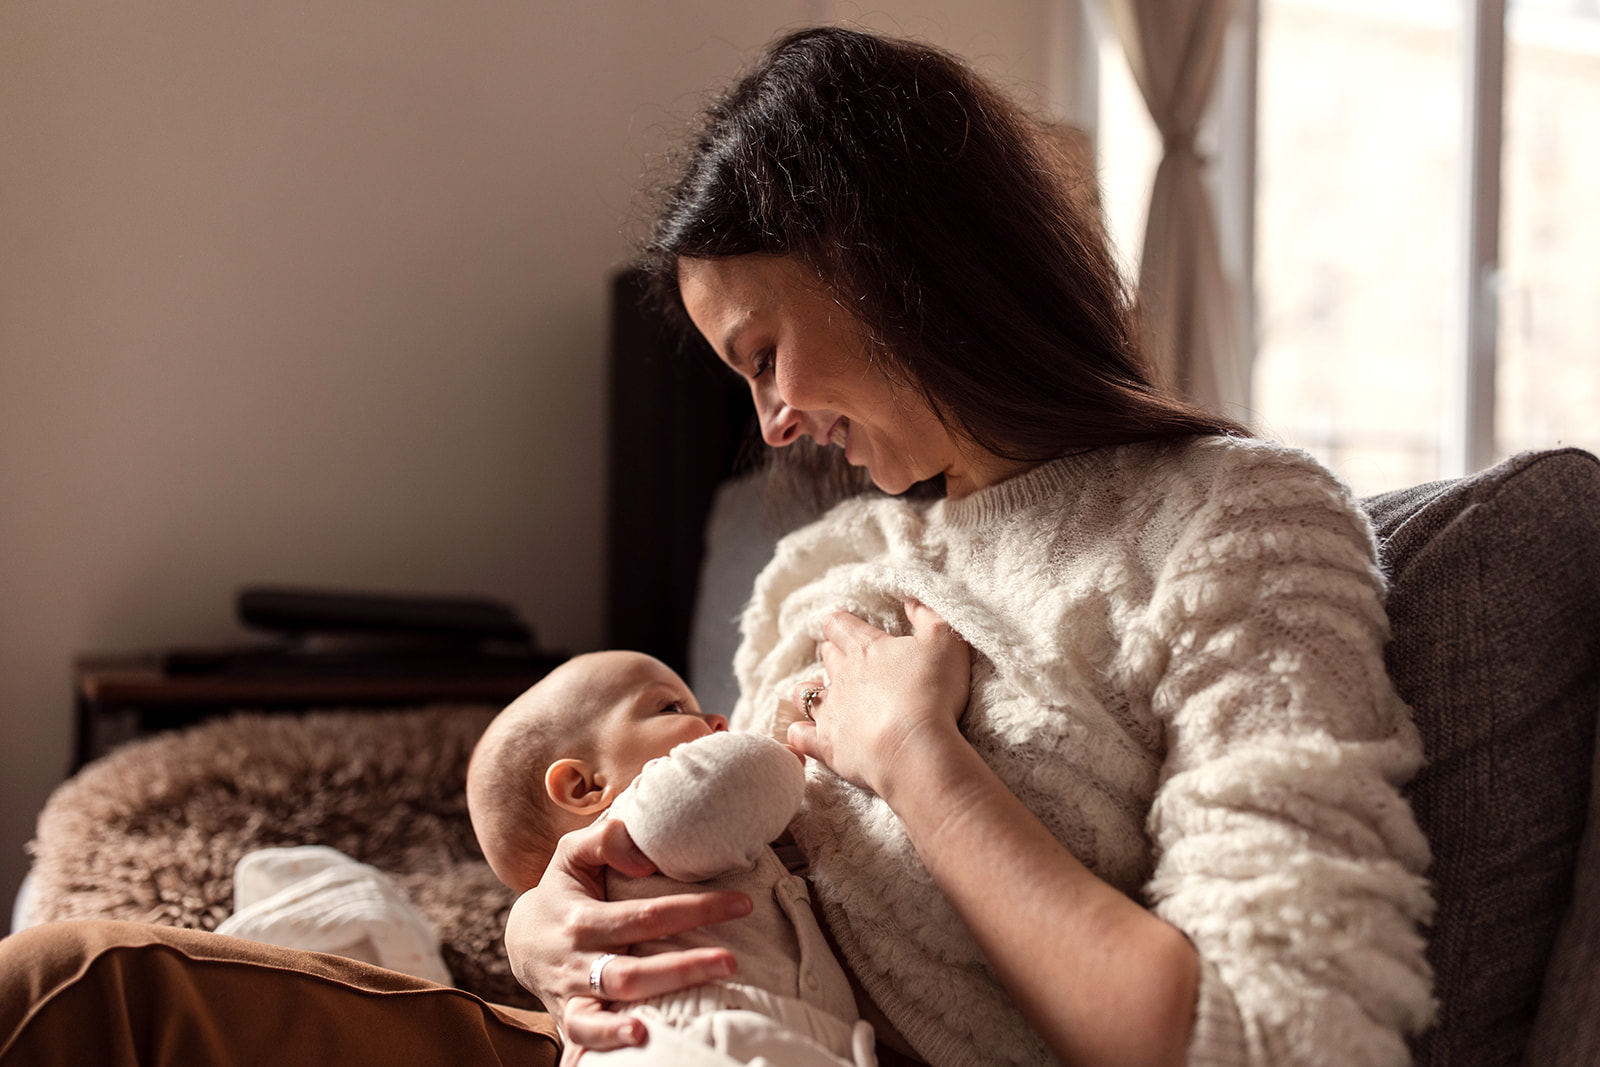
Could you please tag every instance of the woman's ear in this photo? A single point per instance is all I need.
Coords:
(575, 786)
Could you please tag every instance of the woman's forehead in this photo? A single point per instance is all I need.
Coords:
(752, 280)
(728, 295)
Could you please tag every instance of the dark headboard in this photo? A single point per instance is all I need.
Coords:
(679, 426)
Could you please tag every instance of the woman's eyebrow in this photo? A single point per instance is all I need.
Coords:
(730, 338)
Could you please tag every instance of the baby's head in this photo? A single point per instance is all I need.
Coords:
(559, 754)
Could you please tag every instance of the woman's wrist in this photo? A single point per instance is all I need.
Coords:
(934, 755)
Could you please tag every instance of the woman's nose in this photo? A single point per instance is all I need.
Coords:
(780, 423)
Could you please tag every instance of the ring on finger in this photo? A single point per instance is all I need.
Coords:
(594, 973)
(806, 697)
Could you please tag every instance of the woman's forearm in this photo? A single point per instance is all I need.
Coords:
(1101, 978)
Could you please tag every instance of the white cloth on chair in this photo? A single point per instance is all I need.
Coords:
(319, 899)
(22, 907)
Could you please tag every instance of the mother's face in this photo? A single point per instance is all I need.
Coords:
(811, 372)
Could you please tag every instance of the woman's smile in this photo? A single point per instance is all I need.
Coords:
(812, 372)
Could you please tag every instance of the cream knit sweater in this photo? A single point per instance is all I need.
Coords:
(1177, 665)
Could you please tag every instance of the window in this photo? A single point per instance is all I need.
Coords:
(1361, 194)
(1360, 155)
(1548, 381)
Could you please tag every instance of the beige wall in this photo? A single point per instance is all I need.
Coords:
(314, 293)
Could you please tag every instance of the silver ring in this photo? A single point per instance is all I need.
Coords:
(594, 973)
(806, 698)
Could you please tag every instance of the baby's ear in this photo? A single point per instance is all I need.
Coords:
(572, 786)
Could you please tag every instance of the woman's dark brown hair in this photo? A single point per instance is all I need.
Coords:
(944, 218)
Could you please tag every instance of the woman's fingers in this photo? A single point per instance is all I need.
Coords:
(803, 739)
(633, 978)
(846, 630)
(925, 621)
(616, 924)
(844, 637)
(884, 689)
(603, 844)
(807, 697)
(561, 970)
(591, 1021)
(558, 928)
(604, 925)
(592, 1024)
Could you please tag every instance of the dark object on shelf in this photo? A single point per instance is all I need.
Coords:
(124, 697)
(299, 612)
(398, 660)
(330, 650)
(325, 634)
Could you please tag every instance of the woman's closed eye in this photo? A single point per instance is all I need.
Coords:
(761, 362)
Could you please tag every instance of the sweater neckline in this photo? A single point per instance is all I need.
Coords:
(1048, 479)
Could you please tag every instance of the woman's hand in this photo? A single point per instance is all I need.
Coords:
(883, 694)
(560, 927)
(888, 721)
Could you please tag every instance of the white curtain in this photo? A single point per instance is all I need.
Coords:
(1174, 48)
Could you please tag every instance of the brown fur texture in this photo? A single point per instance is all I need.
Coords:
(151, 832)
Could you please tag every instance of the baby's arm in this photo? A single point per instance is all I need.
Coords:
(713, 804)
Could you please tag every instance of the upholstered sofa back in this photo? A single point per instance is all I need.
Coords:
(1494, 605)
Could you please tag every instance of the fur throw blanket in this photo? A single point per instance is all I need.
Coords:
(151, 832)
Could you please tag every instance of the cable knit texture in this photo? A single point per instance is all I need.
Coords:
(1177, 665)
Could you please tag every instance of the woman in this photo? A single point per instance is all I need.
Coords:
(1167, 828)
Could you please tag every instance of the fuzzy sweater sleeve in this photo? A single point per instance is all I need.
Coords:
(1285, 850)
(712, 805)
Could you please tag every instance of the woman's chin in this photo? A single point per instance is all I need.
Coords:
(894, 486)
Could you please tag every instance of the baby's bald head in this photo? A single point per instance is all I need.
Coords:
(516, 820)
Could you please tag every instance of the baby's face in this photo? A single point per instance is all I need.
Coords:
(647, 710)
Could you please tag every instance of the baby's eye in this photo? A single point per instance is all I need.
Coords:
(674, 708)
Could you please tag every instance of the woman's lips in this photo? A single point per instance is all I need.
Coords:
(840, 434)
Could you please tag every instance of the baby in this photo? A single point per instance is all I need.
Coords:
(619, 735)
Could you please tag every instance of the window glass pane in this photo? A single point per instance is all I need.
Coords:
(1360, 112)
(1128, 152)
(1548, 374)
